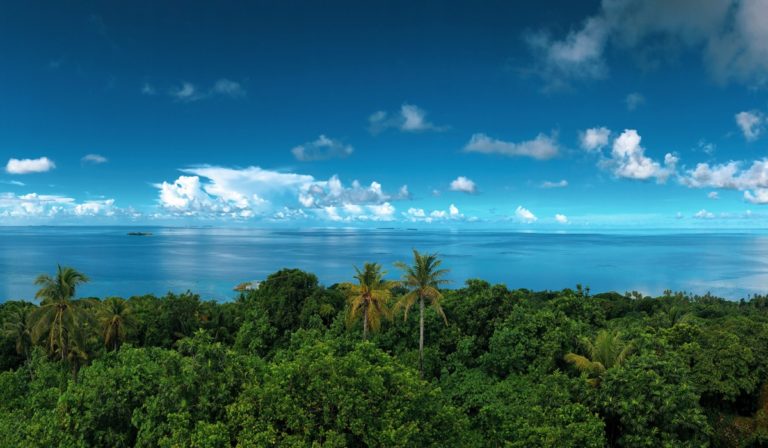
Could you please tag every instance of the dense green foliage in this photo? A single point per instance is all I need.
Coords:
(286, 365)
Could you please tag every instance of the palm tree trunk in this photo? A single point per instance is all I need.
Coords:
(421, 337)
(365, 322)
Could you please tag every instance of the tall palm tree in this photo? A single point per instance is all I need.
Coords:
(59, 318)
(16, 327)
(368, 299)
(423, 279)
(115, 317)
(608, 350)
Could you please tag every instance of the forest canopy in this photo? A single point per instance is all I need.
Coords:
(382, 361)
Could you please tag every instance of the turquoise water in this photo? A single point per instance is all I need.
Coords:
(211, 261)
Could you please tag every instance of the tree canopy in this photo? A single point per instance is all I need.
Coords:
(283, 365)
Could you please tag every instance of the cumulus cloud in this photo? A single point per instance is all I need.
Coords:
(94, 208)
(595, 139)
(321, 149)
(333, 192)
(95, 159)
(549, 184)
(627, 158)
(730, 35)
(226, 191)
(753, 180)
(751, 124)
(211, 192)
(34, 206)
(464, 184)
(525, 215)
(27, 166)
(713, 195)
(542, 147)
(703, 214)
(728, 175)
(634, 100)
(420, 215)
(757, 196)
(410, 118)
(562, 219)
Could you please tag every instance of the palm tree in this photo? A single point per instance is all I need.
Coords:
(423, 279)
(59, 318)
(607, 351)
(368, 298)
(16, 327)
(115, 317)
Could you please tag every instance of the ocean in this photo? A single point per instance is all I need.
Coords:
(212, 261)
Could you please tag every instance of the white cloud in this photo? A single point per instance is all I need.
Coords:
(287, 213)
(627, 159)
(578, 56)
(226, 192)
(228, 88)
(186, 92)
(542, 147)
(452, 214)
(751, 124)
(321, 149)
(356, 213)
(416, 213)
(634, 100)
(410, 118)
(731, 36)
(706, 147)
(33, 206)
(713, 195)
(595, 139)
(524, 214)
(703, 214)
(211, 191)
(562, 219)
(96, 159)
(333, 192)
(464, 184)
(549, 184)
(27, 166)
(383, 212)
(94, 208)
(753, 180)
(13, 182)
(757, 196)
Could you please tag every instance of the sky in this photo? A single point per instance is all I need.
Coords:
(494, 114)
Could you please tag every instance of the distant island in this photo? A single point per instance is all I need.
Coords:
(139, 233)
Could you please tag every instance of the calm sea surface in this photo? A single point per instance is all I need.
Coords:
(211, 261)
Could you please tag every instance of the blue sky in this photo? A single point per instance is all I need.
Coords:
(559, 115)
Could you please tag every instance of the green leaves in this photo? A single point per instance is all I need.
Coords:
(322, 396)
(278, 367)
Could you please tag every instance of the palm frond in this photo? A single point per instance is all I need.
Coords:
(582, 363)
